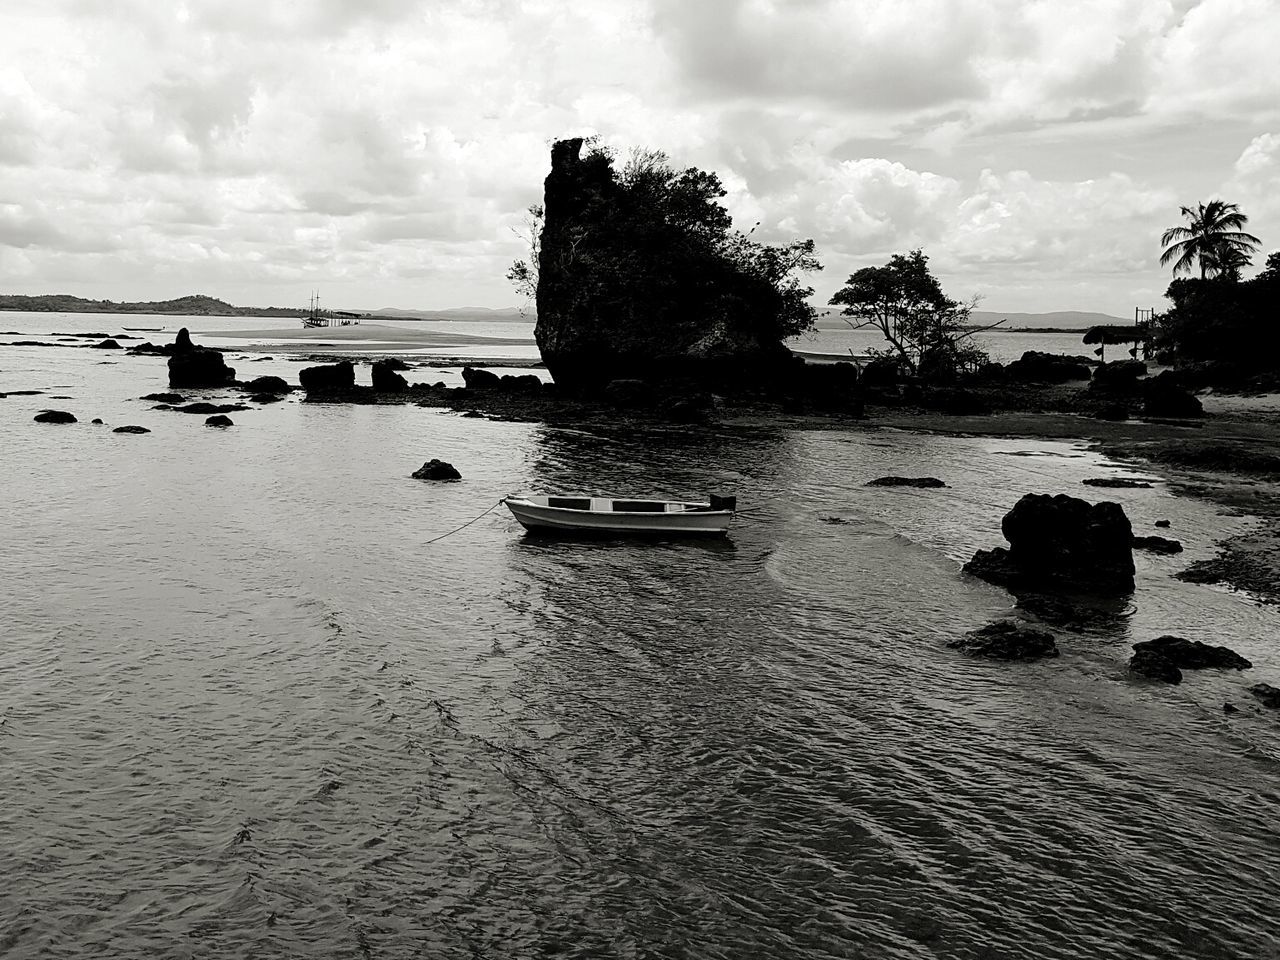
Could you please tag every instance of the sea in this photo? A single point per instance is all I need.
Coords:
(262, 694)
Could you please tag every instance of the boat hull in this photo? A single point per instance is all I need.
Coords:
(556, 520)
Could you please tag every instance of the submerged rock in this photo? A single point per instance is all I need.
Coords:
(107, 344)
(267, 385)
(1164, 658)
(1119, 483)
(219, 421)
(1153, 665)
(1157, 545)
(131, 428)
(477, 378)
(205, 407)
(921, 482)
(54, 416)
(1267, 695)
(1007, 640)
(266, 398)
(165, 397)
(1061, 543)
(436, 470)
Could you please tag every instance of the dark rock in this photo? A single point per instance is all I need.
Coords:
(1119, 376)
(628, 393)
(1192, 654)
(395, 363)
(219, 421)
(131, 428)
(1230, 708)
(1120, 483)
(203, 407)
(436, 470)
(165, 397)
(702, 321)
(267, 385)
(1164, 396)
(882, 373)
(1037, 367)
(266, 398)
(1162, 523)
(1153, 665)
(55, 416)
(1115, 412)
(192, 366)
(385, 378)
(1061, 543)
(1007, 640)
(1157, 545)
(328, 378)
(97, 420)
(478, 379)
(956, 402)
(922, 482)
(107, 345)
(528, 383)
(1267, 695)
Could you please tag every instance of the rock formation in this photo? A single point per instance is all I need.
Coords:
(1164, 658)
(617, 300)
(1058, 544)
(921, 482)
(192, 366)
(385, 378)
(328, 378)
(55, 416)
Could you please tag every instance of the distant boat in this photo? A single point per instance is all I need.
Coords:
(315, 318)
(582, 514)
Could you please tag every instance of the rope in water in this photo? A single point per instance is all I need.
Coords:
(464, 526)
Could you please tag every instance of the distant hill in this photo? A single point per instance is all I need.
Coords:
(193, 306)
(1060, 319)
(496, 314)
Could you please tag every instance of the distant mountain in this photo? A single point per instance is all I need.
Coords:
(496, 314)
(1060, 319)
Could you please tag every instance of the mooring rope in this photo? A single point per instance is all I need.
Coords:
(465, 525)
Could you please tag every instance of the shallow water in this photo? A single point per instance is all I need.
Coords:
(244, 711)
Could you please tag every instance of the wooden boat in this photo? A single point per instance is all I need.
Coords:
(605, 515)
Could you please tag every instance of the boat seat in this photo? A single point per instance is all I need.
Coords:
(570, 503)
(639, 506)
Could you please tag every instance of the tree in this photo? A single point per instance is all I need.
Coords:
(524, 273)
(927, 330)
(1213, 237)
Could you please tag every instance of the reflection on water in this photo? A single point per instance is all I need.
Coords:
(244, 711)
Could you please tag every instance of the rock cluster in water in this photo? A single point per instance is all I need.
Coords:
(55, 416)
(1061, 543)
(923, 483)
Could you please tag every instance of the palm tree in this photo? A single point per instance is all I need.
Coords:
(1213, 237)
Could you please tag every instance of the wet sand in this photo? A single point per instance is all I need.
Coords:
(357, 338)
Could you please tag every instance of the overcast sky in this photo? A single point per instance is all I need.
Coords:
(383, 151)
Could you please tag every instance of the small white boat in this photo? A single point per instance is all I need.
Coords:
(582, 514)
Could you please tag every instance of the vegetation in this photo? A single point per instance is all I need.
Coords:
(653, 240)
(928, 331)
(1214, 238)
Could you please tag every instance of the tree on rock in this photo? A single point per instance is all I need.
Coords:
(927, 330)
(640, 274)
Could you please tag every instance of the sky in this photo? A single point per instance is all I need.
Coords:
(384, 152)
